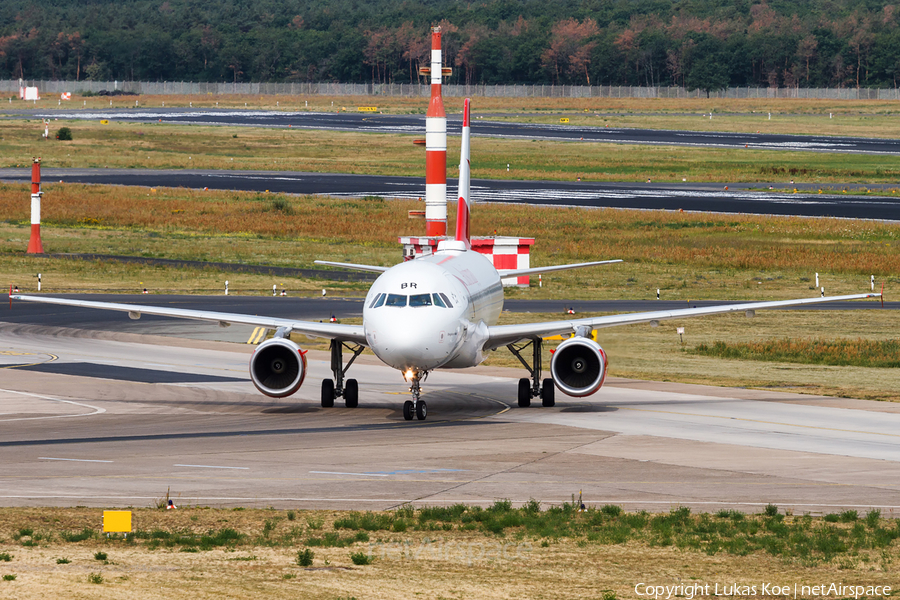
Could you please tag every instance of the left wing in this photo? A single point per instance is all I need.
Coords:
(501, 335)
(335, 331)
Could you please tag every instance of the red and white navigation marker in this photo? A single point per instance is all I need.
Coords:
(436, 148)
(34, 244)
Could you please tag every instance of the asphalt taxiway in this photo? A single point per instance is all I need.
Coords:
(415, 124)
(737, 198)
(100, 418)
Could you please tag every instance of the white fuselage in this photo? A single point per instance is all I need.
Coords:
(433, 312)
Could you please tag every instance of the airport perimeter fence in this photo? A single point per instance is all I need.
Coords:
(178, 88)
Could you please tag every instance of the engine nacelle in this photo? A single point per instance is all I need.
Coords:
(278, 367)
(578, 366)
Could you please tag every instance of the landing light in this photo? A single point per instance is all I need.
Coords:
(409, 374)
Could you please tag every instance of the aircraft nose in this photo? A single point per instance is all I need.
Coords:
(411, 341)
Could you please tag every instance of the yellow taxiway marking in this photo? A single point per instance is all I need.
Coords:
(258, 335)
(11, 353)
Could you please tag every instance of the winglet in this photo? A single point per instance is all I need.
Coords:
(465, 204)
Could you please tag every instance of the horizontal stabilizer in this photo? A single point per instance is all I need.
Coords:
(352, 266)
(504, 273)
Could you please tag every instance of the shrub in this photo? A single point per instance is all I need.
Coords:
(64, 134)
(361, 558)
(612, 510)
(400, 525)
(63, 561)
(305, 557)
(282, 205)
(9, 578)
(99, 555)
(771, 510)
(269, 526)
(849, 516)
(291, 515)
(872, 517)
(95, 578)
(6, 556)
(85, 534)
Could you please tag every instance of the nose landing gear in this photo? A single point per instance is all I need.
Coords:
(416, 406)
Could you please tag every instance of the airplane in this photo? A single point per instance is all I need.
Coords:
(438, 311)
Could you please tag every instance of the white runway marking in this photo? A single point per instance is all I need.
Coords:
(74, 459)
(212, 467)
(359, 474)
(446, 501)
(97, 410)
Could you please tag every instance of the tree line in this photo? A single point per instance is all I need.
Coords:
(698, 44)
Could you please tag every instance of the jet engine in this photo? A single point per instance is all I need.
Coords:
(578, 366)
(278, 367)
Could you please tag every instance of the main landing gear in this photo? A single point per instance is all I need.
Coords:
(535, 387)
(416, 406)
(336, 388)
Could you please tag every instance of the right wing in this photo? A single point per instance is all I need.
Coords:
(504, 273)
(352, 266)
(501, 335)
(334, 331)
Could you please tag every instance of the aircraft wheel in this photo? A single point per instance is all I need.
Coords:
(524, 393)
(327, 393)
(351, 394)
(548, 393)
(421, 410)
(408, 410)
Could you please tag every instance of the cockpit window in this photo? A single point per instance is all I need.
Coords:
(446, 300)
(420, 300)
(395, 300)
(438, 301)
(378, 301)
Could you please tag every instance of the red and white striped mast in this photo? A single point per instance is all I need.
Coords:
(34, 244)
(436, 148)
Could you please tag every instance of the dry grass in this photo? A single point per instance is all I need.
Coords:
(688, 256)
(858, 353)
(449, 564)
(396, 104)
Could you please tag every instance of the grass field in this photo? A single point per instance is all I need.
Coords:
(155, 145)
(454, 552)
(686, 255)
(494, 105)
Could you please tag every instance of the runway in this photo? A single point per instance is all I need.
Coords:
(738, 198)
(415, 124)
(110, 419)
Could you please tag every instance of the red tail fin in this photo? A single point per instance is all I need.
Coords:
(464, 206)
